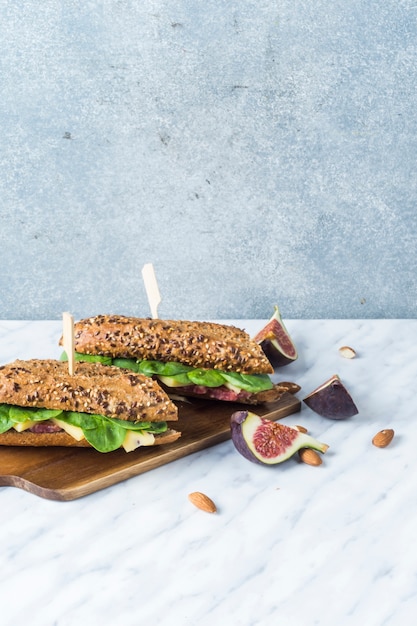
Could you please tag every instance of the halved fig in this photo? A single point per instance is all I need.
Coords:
(264, 441)
(276, 342)
(332, 400)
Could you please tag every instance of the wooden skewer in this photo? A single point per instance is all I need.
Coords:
(68, 340)
(151, 286)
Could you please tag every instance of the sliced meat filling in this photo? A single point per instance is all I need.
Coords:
(228, 395)
(45, 427)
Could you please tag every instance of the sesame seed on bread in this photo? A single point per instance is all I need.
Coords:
(198, 344)
(93, 388)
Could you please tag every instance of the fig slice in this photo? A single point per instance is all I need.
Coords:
(264, 441)
(276, 342)
(332, 400)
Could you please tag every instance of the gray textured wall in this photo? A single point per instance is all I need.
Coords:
(255, 152)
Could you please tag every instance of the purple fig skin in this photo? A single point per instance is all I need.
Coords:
(274, 356)
(238, 440)
(267, 442)
(276, 342)
(332, 400)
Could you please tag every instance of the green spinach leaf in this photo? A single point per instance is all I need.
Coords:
(249, 382)
(5, 422)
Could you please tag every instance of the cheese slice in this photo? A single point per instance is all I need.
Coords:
(232, 387)
(21, 426)
(170, 381)
(136, 438)
(133, 439)
(74, 431)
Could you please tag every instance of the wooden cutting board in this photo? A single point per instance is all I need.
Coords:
(69, 473)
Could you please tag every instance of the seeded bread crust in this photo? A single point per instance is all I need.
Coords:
(41, 440)
(199, 344)
(94, 388)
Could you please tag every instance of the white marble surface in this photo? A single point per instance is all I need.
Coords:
(292, 545)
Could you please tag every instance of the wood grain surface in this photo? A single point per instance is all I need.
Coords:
(70, 473)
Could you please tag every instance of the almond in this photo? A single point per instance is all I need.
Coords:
(383, 438)
(309, 456)
(290, 387)
(347, 352)
(301, 429)
(203, 502)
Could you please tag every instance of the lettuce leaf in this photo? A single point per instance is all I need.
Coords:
(100, 433)
(206, 378)
(171, 368)
(249, 382)
(187, 375)
(6, 422)
(128, 364)
(105, 434)
(91, 358)
(22, 414)
(152, 427)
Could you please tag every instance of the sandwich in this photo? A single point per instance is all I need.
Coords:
(102, 407)
(201, 359)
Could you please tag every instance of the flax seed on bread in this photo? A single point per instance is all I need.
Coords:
(198, 344)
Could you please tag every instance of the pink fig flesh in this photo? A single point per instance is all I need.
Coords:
(276, 342)
(332, 400)
(264, 441)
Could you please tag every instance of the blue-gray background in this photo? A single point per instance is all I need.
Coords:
(256, 152)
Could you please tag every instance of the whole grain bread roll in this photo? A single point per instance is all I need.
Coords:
(94, 388)
(207, 345)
